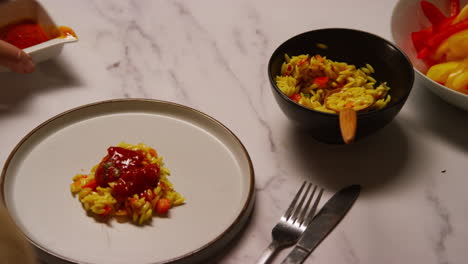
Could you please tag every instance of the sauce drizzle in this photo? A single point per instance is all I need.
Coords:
(23, 34)
(28, 32)
(128, 170)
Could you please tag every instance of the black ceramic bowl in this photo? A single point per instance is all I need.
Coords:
(353, 47)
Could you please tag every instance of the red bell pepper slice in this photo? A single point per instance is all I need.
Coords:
(454, 7)
(424, 53)
(288, 71)
(296, 97)
(419, 38)
(91, 184)
(321, 81)
(437, 38)
(162, 206)
(107, 210)
(448, 31)
(300, 63)
(445, 23)
(435, 16)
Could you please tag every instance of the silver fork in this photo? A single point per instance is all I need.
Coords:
(293, 223)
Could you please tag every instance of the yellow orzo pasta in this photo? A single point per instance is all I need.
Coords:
(309, 80)
(130, 181)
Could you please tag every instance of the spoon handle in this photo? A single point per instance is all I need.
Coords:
(348, 120)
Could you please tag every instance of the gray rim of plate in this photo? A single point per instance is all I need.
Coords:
(208, 250)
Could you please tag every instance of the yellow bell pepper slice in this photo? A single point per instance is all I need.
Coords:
(453, 48)
(440, 53)
(458, 79)
(462, 15)
(440, 72)
(459, 82)
(458, 46)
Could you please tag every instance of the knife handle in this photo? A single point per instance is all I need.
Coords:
(296, 256)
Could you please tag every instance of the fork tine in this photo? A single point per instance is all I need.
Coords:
(301, 218)
(313, 209)
(291, 207)
(292, 223)
(298, 209)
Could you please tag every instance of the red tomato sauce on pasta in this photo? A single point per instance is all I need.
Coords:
(130, 169)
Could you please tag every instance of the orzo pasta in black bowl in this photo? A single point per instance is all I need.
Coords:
(306, 70)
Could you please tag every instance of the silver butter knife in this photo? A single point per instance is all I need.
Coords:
(324, 222)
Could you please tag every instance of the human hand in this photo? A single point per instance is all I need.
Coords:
(15, 59)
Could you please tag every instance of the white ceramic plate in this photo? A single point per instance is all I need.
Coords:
(209, 167)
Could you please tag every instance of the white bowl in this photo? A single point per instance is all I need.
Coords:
(14, 11)
(408, 17)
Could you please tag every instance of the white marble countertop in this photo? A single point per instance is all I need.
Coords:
(212, 56)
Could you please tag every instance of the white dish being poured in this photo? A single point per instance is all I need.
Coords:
(15, 11)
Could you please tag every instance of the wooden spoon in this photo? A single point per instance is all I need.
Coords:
(347, 109)
(348, 124)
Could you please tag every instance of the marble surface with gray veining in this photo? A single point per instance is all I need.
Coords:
(211, 55)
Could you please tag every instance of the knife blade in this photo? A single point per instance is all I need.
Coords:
(323, 223)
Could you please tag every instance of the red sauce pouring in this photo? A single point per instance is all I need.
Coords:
(27, 33)
(130, 170)
(23, 34)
